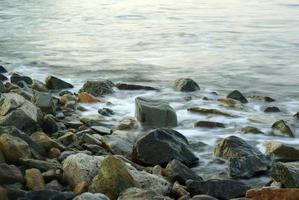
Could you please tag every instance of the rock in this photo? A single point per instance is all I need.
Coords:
(186, 85)
(90, 196)
(54, 185)
(102, 130)
(2, 158)
(3, 77)
(49, 195)
(54, 83)
(64, 99)
(282, 151)
(117, 145)
(49, 124)
(41, 164)
(45, 102)
(222, 189)
(84, 97)
(15, 78)
(113, 178)
(34, 179)
(47, 142)
(81, 167)
(97, 88)
(272, 109)
(10, 174)
(54, 153)
(286, 173)
(296, 115)
(39, 86)
(157, 170)
(154, 113)
(106, 112)
(251, 129)
(178, 190)
(3, 193)
(209, 124)
(268, 193)
(2, 69)
(231, 103)
(81, 188)
(237, 95)
(92, 120)
(2, 87)
(203, 197)
(14, 148)
(126, 86)
(177, 171)
(160, 146)
(127, 123)
(244, 160)
(282, 128)
(139, 194)
(207, 111)
(16, 111)
(269, 99)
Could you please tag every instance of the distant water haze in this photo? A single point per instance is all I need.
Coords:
(233, 44)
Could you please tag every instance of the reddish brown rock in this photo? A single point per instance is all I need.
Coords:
(85, 97)
(268, 193)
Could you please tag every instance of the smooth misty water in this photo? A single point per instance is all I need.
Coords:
(251, 45)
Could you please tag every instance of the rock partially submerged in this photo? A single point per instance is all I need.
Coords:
(209, 124)
(282, 128)
(160, 146)
(237, 95)
(208, 111)
(251, 129)
(282, 151)
(154, 113)
(186, 85)
(126, 86)
(97, 88)
(54, 83)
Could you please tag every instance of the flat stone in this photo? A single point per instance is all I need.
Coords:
(126, 86)
(209, 124)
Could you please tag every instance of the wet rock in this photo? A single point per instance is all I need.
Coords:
(154, 113)
(117, 145)
(2, 158)
(268, 193)
(39, 86)
(64, 99)
(81, 188)
(251, 129)
(269, 99)
(98, 88)
(186, 85)
(237, 95)
(203, 197)
(81, 167)
(282, 151)
(42, 165)
(10, 174)
(84, 97)
(54, 153)
(46, 141)
(3, 77)
(282, 128)
(2, 87)
(15, 78)
(49, 194)
(49, 124)
(54, 83)
(45, 102)
(160, 146)
(178, 190)
(106, 112)
(34, 179)
(102, 130)
(222, 189)
(2, 69)
(126, 86)
(271, 109)
(14, 148)
(209, 124)
(53, 174)
(92, 120)
(286, 173)
(113, 178)
(139, 194)
(90, 196)
(3, 193)
(231, 103)
(16, 111)
(127, 123)
(297, 115)
(54, 185)
(208, 111)
(177, 171)
(244, 159)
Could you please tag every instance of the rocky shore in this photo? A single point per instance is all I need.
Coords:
(49, 150)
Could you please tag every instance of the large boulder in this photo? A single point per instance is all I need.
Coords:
(81, 168)
(98, 88)
(222, 189)
(237, 95)
(54, 83)
(286, 173)
(45, 102)
(244, 160)
(186, 85)
(154, 113)
(269, 193)
(160, 146)
(282, 151)
(283, 128)
(16, 111)
(10, 174)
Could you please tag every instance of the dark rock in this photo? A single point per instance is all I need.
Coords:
(2, 87)
(39, 86)
(237, 95)
(41, 164)
(286, 173)
(106, 111)
(272, 109)
(15, 78)
(49, 195)
(160, 146)
(222, 189)
(118, 145)
(3, 77)
(269, 99)
(49, 124)
(297, 115)
(209, 124)
(186, 85)
(98, 88)
(2, 69)
(208, 111)
(282, 151)
(45, 102)
(126, 86)
(10, 174)
(154, 113)
(54, 83)
(177, 171)
(54, 185)
(102, 130)
(282, 128)
(251, 129)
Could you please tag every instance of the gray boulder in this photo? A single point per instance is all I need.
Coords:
(54, 83)
(45, 102)
(286, 173)
(160, 146)
(98, 88)
(154, 113)
(186, 85)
